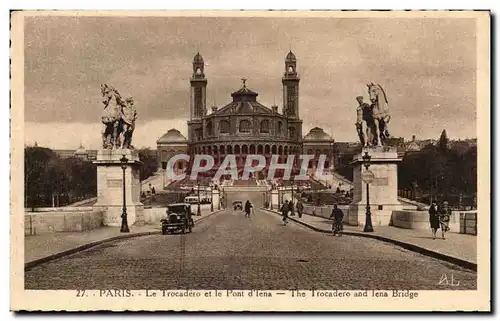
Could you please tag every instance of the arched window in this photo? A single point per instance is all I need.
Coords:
(245, 126)
(224, 126)
(264, 126)
(280, 128)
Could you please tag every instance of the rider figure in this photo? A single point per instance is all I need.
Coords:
(338, 216)
(128, 115)
(364, 112)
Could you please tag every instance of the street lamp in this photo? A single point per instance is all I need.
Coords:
(211, 198)
(279, 197)
(198, 212)
(218, 198)
(292, 210)
(368, 177)
(124, 227)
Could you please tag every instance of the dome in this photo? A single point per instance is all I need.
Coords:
(172, 136)
(291, 56)
(81, 150)
(198, 58)
(317, 134)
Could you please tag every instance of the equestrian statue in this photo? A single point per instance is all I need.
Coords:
(373, 118)
(118, 119)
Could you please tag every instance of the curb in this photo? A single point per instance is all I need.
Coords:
(29, 265)
(409, 246)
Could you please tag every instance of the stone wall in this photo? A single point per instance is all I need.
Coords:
(468, 222)
(460, 222)
(62, 219)
(153, 215)
(326, 210)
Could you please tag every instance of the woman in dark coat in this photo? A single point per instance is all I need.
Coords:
(434, 219)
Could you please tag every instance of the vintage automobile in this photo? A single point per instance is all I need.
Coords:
(238, 205)
(179, 218)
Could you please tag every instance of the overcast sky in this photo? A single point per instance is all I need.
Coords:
(426, 66)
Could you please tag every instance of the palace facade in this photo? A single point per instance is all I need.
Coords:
(245, 126)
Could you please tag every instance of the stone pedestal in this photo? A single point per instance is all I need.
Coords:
(274, 199)
(383, 189)
(110, 187)
(216, 199)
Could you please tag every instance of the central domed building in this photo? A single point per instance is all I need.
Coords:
(243, 126)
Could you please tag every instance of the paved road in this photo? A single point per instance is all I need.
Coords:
(228, 250)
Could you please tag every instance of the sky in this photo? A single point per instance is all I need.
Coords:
(427, 67)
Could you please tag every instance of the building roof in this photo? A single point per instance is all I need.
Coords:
(244, 102)
(172, 136)
(317, 134)
(198, 58)
(291, 56)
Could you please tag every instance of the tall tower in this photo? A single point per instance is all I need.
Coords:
(290, 82)
(198, 88)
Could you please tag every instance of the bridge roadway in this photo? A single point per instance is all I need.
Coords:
(229, 251)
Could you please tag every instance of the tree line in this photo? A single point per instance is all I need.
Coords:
(438, 172)
(435, 172)
(51, 180)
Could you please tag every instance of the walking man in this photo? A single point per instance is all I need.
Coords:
(284, 211)
(248, 208)
(300, 208)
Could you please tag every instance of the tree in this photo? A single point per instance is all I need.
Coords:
(443, 141)
(36, 160)
(149, 163)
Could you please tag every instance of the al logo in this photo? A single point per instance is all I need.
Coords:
(445, 280)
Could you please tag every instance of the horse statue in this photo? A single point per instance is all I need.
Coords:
(118, 119)
(111, 116)
(380, 110)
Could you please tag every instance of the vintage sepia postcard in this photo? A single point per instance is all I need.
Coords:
(250, 161)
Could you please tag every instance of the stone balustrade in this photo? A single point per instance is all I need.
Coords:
(62, 219)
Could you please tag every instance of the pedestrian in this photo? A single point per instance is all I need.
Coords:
(284, 212)
(300, 208)
(248, 207)
(434, 219)
(153, 191)
(337, 216)
(444, 218)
